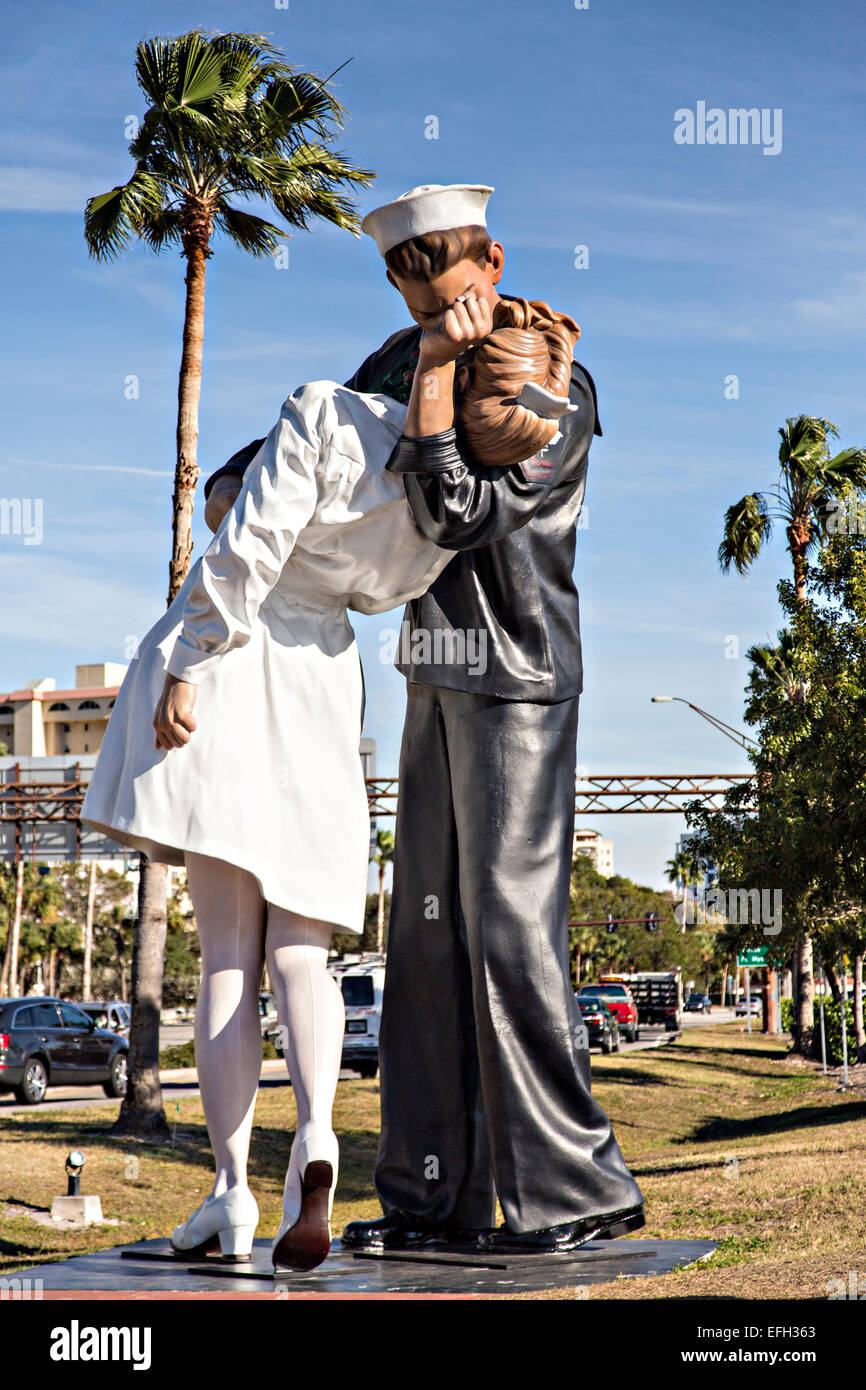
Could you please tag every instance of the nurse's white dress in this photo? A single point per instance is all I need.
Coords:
(271, 780)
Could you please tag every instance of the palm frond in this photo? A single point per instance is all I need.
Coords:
(804, 437)
(298, 101)
(845, 470)
(227, 119)
(250, 233)
(180, 71)
(111, 219)
(747, 527)
(162, 228)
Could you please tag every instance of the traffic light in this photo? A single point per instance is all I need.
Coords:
(652, 921)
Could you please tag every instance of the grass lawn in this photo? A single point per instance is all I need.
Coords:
(729, 1138)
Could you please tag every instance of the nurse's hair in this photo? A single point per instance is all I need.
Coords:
(529, 343)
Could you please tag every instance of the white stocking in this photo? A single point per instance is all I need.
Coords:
(230, 914)
(311, 1013)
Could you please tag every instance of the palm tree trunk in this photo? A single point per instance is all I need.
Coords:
(141, 1113)
(88, 931)
(858, 1007)
(380, 915)
(16, 928)
(803, 1003)
(52, 970)
(772, 1013)
(799, 533)
(188, 396)
(7, 961)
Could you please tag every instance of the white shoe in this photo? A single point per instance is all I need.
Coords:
(304, 1237)
(229, 1220)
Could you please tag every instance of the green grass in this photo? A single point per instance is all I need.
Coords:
(730, 1138)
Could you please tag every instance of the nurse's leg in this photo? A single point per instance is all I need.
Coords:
(311, 1014)
(230, 914)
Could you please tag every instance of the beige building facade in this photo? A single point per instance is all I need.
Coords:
(599, 850)
(41, 721)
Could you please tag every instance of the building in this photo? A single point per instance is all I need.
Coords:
(600, 851)
(40, 721)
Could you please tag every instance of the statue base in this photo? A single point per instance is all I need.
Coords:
(149, 1266)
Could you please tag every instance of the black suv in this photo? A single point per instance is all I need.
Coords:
(47, 1042)
(600, 1021)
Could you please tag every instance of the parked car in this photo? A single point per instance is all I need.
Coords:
(268, 1014)
(620, 1000)
(698, 1004)
(741, 1009)
(601, 1022)
(49, 1042)
(362, 987)
(112, 1014)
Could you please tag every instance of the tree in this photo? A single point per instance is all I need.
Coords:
(383, 856)
(685, 871)
(774, 662)
(801, 825)
(30, 899)
(227, 120)
(629, 946)
(811, 481)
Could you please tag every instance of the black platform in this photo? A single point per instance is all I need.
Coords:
(148, 1266)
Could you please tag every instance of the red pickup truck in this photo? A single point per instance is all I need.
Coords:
(619, 1000)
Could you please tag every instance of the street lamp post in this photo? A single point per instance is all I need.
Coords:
(733, 734)
(772, 1012)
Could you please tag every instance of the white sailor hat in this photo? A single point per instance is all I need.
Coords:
(434, 207)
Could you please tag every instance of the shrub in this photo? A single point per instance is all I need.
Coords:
(183, 1055)
(833, 1030)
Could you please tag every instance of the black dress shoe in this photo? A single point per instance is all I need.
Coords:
(398, 1230)
(557, 1240)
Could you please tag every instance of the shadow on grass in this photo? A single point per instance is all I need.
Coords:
(803, 1117)
(269, 1148)
(629, 1076)
(697, 1059)
(779, 1051)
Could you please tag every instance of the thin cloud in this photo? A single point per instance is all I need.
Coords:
(86, 467)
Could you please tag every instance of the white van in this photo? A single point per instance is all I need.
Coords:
(362, 987)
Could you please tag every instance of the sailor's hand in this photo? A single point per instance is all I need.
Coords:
(465, 323)
(221, 499)
(173, 717)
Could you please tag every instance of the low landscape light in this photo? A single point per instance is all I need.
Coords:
(74, 1165)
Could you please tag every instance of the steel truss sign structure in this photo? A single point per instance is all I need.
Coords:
(25, 806)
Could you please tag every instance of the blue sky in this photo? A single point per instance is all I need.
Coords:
(704, 262)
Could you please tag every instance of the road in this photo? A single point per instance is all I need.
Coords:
(274, 1074)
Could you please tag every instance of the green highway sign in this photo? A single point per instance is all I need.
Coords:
(753, 957)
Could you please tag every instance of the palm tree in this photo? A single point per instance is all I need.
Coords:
(382, 855)
(227, 121)
(583, 942)
(810, 482)
(686, 872)
(776, 665)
